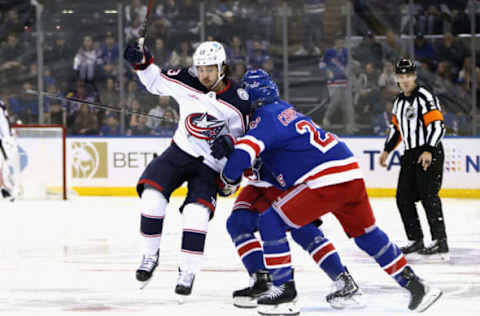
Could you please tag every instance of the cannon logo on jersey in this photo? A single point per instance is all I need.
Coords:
(204, 126)
(89, 160)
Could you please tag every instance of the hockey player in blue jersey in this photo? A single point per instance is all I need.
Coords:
(320, 175)
(255, 198)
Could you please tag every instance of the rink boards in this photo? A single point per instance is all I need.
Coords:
(111, 166)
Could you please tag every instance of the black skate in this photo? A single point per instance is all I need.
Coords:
(346, 293)
(184, 282)
(439, 248)
(421, 295)
(413, 246)
(279, 300)
(247, 297)
(147, 267)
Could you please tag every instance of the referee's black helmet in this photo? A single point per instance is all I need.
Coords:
(405, 65)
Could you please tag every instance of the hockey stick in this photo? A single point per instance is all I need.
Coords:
(95, 105)
(143, 33)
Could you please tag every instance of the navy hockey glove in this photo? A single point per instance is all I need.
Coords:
(227, 187)
(138, 55)
(223, 146)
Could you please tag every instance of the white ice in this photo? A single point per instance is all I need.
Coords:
(79, 257)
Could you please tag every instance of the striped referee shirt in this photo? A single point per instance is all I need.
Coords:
(417, 120)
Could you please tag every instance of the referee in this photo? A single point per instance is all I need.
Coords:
(417, 121)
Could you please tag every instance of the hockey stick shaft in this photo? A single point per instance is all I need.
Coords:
(94, 104)
(143, 33)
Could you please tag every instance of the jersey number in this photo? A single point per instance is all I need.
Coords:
(323, 144)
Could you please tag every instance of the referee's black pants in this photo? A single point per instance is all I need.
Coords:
(415, 184)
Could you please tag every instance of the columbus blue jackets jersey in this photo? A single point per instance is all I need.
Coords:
(293, 149)
(204, 114)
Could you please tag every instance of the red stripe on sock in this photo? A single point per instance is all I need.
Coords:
(399, 265)
(273, 261)
(251, 245)
(317, 256)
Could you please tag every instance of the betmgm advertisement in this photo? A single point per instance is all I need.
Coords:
(112, 166)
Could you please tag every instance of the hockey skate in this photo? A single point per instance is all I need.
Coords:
(247, 297)
(413, 248)
(184, 282)
(346, 293)
(279, 300)
(437, 250)
(147, 267)
(421, 295)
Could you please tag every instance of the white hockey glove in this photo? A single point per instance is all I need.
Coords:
(227, 186)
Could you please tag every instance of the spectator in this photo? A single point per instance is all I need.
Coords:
(86, 60)
(313, 11)
(431, 21)
(383, 120)
(133, 31)
(423, 49)
(182, 56)
(110, 127)
(237, 52)
(387, 82)
(161, 53)
(452, 50)
(270, 68)
(13, 23)
(167, 127)
(135, 9)
(336, 60)
(132, 119)
(11, 60)
(80, 93)
(85, 121)
(109, 94)
(393, 48)
(461, 22)
(159, 111)
(55, 113)
(132, 92)
(140, 128)
(57, 56)
(238, 70)
(368, 51)
(109, 55)
(368, 95)
(256, 55)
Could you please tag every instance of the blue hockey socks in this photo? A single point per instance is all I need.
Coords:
(385, 253)
(320, 248)
(275, 247)
(241, 225)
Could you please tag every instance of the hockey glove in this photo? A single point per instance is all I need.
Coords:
(227, 187)
(223, 146)
(138, 55)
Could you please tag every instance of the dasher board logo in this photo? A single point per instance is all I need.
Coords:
(89, 160)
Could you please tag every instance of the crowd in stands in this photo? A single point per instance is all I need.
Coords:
(84, 63)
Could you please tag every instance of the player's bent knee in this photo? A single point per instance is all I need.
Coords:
(153, 203)
(195, 216)
(242, 221)
(303, 235)
(372, 242)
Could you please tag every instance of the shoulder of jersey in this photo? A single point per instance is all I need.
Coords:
(184, 76)
(236, 96)
(2, 105)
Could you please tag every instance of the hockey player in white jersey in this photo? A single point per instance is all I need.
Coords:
(210, 105)
(7, 155)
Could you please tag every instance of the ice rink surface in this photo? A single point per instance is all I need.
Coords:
(79, 258)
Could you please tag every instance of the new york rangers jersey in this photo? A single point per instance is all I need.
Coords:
(293, 149)
(204, 114)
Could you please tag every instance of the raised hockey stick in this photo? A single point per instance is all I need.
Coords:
(143, 32)
(95, 105)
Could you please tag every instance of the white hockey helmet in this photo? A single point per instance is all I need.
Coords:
(210, 53)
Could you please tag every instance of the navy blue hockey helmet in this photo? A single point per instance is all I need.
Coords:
(260, 87)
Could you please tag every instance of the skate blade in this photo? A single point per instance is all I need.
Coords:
(143, 284)
(181, 299)
(244, 302)
(431, 297)
(290, 308)
(353, 302)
